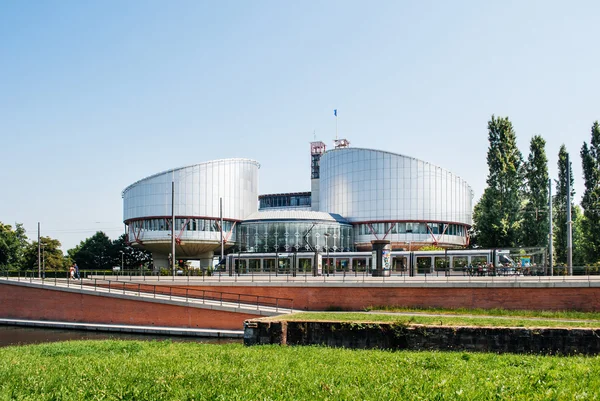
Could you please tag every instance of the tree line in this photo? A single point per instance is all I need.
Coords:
(97, 252)
(514, 208)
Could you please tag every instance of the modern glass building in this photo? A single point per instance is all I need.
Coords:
(394, 197)
(198, 192)
(357, 196)
(295, 231)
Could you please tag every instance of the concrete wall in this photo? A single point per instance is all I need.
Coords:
(390, 336)
(22, 302)
(358, 297)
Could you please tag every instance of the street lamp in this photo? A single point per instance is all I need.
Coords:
(327, 246)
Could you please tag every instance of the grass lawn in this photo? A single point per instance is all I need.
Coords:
(478, 317)
(433, 320)
(134, 370)
(574, 315)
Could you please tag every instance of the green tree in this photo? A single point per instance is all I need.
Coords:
(497, 215)
(12, 246)
(578, 240)
(51, 256)
(590, 159)
(95, 252)
(535, 224)
(559, 204)
(133, 258)
(7, 255)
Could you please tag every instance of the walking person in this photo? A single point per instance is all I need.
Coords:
(72, 271)
(76, 271)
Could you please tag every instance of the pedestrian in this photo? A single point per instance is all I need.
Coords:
(72, 271)
(76, 271)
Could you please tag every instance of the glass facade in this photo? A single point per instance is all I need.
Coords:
(190, 224)
(285, 200)
(290, 236)
(391, 228)
(185, 229)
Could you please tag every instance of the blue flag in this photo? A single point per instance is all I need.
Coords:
(335, 112)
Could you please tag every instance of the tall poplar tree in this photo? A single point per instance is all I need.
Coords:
(590, 159)
(559, 204)
(497, 216)
(535, 226)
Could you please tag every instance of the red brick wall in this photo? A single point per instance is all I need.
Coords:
(18, 302)
(358, 298)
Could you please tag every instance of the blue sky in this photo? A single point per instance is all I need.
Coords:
(96, 95)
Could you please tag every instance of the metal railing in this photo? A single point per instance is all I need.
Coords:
(297, 275)
(580, 274)
(222, 298)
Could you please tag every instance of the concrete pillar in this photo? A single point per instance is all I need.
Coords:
(206, 260)
(381, 257)
(160, 262)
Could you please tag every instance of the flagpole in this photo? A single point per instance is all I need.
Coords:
(336, 125)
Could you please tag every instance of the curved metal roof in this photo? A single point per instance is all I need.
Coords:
(190, 165)
(401, 155)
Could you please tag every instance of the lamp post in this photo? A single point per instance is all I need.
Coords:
(327, 246)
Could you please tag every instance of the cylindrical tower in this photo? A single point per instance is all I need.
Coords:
(198, 189)
(388, 196)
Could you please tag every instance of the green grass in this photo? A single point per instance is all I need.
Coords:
(493, 312)
(445, 320)
(132, 370)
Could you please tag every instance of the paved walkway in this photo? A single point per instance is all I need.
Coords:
(168, 331)
(119, 290)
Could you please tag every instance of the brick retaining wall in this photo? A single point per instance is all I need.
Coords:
(390, 336)
(21, 302)
(310, 297)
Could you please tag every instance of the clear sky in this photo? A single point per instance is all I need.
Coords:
(96, 95)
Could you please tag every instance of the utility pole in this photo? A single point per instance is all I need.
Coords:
(221, 217)
(173, 224)
(39, 253)
(569, 223)
(550, 232)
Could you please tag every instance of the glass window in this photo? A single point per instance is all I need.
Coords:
(479, 260)
(423, 264)
(441, 263)
(459, 262)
